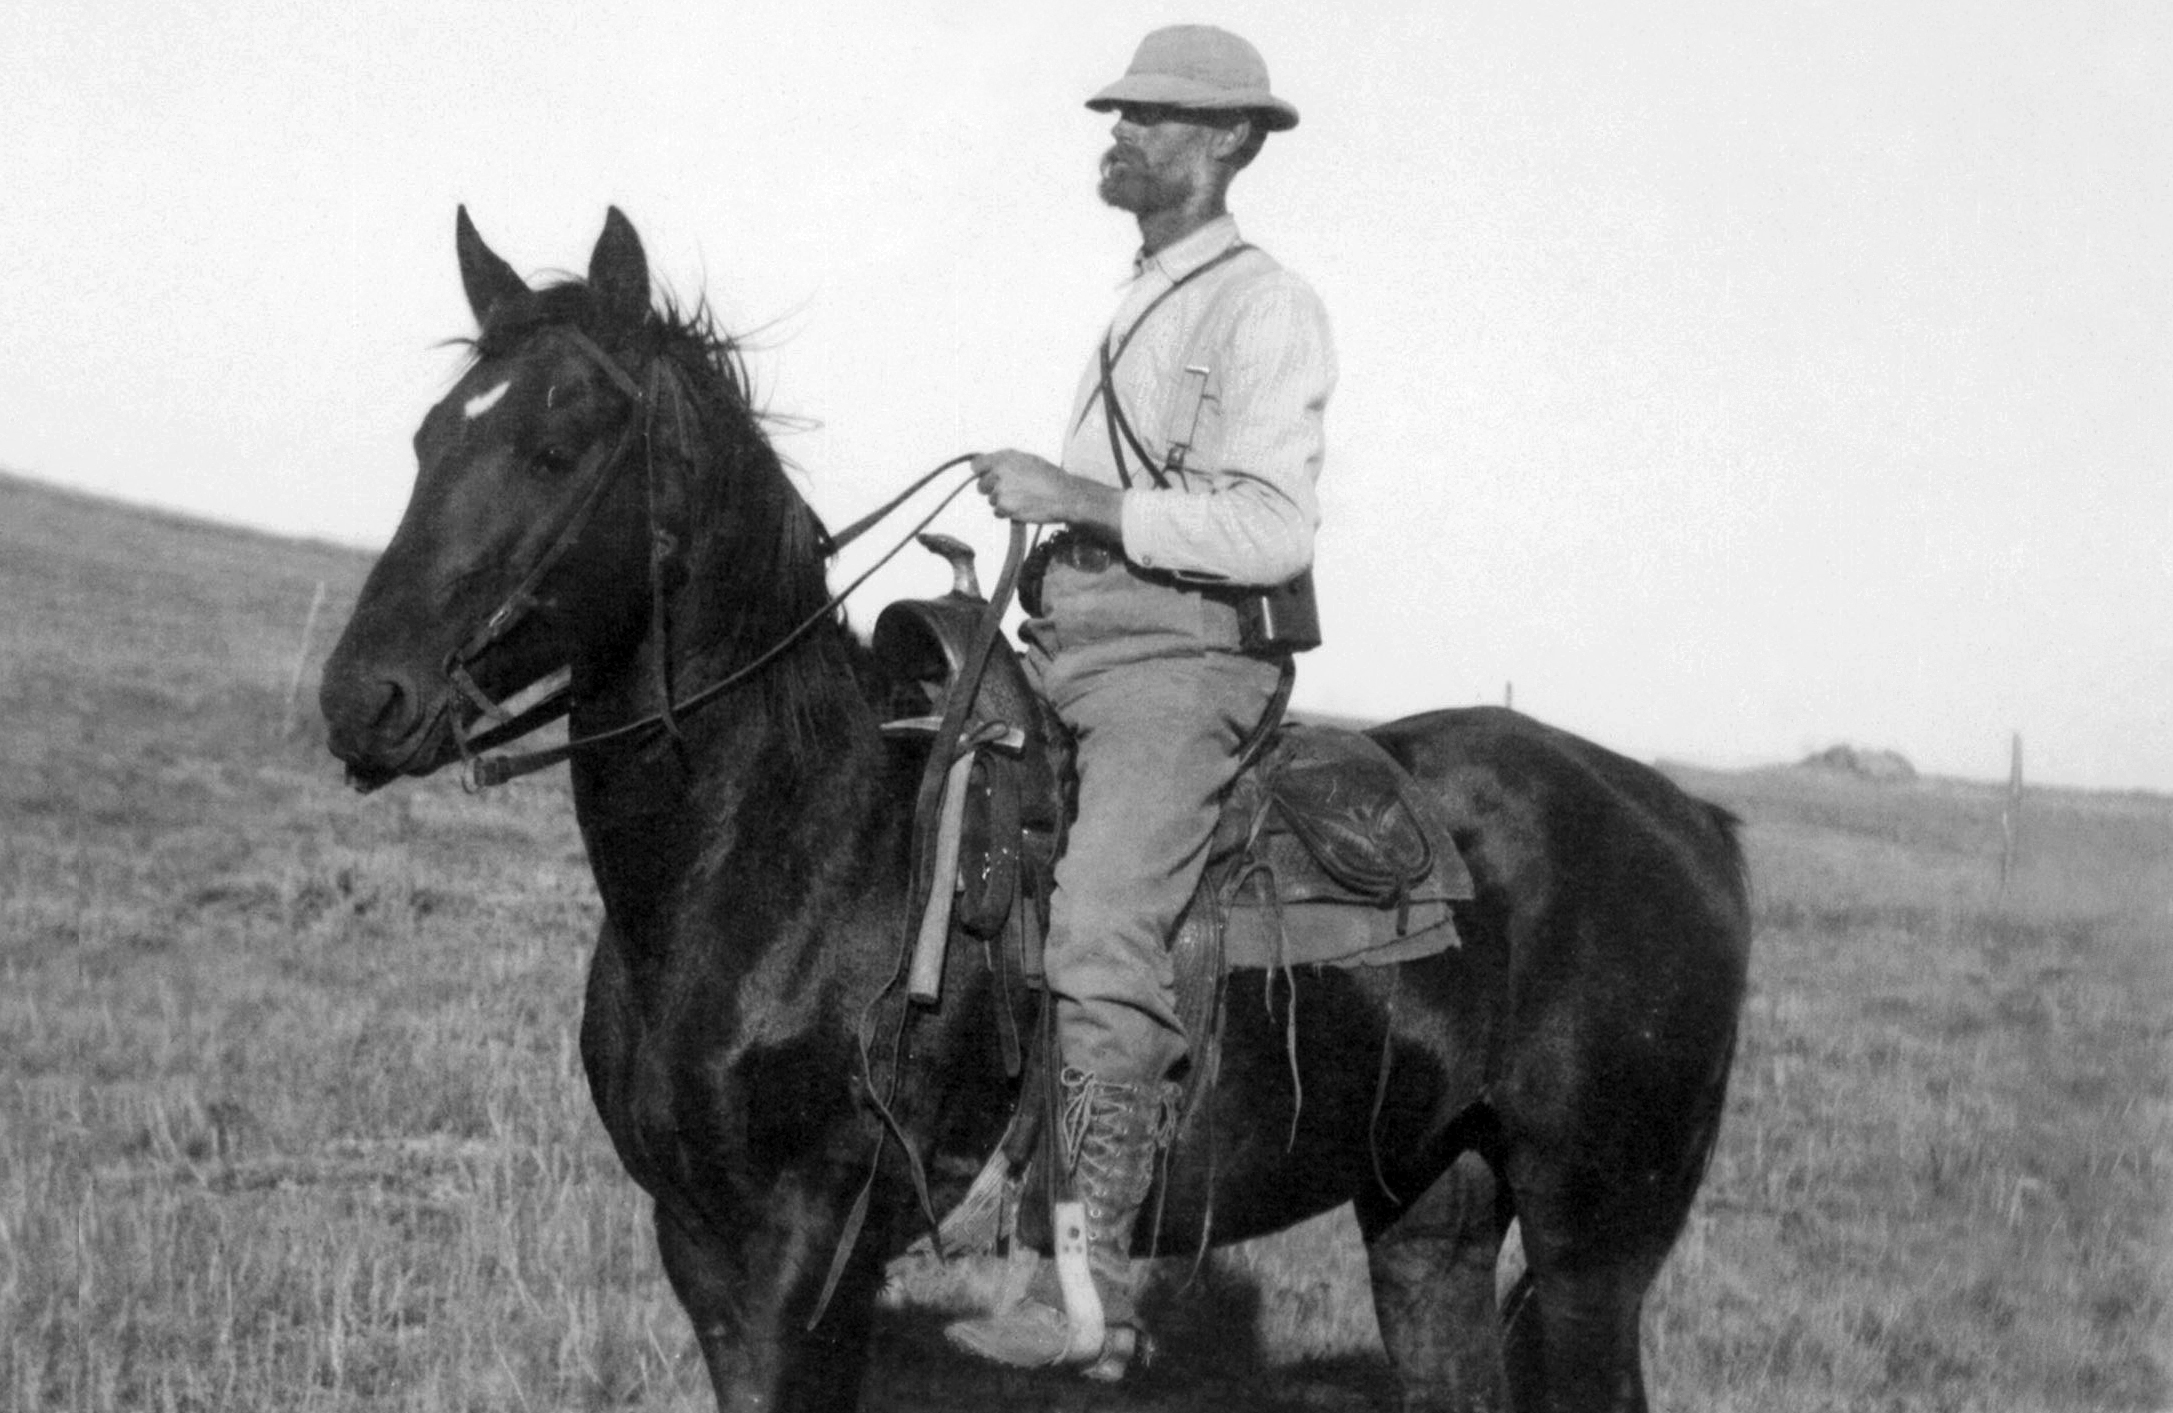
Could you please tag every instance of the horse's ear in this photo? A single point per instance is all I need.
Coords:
(619, 272)
(488, 280)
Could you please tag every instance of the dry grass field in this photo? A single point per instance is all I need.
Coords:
(291, 1116)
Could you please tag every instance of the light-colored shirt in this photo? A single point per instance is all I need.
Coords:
(1235, 369)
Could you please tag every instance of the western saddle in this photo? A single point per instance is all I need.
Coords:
(1326, 853)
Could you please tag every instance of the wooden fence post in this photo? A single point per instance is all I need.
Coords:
(2010, 819)
(301, 661)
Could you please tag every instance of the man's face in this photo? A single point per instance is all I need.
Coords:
(1160, 157)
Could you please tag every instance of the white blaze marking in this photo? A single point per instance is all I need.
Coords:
(483, 402)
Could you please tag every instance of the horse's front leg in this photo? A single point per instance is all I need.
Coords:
(750, 1292)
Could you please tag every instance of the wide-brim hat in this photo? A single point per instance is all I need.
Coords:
(1203, 68)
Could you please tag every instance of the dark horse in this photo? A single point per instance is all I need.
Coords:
(595, 491)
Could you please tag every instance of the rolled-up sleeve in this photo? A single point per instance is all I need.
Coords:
(1247, 512)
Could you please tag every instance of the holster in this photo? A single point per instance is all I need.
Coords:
(1284, 618)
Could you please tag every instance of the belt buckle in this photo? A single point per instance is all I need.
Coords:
(1080, 552)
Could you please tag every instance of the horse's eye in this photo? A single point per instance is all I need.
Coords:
(554, 460)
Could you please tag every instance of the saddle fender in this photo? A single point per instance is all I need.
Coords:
(1014, 811)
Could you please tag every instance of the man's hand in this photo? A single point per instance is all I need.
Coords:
(1022, 486)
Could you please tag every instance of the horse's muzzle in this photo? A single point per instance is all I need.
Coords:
(380, 726)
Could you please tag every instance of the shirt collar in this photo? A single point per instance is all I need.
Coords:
(1179, 258)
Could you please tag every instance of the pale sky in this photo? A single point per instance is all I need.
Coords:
(1732, 378)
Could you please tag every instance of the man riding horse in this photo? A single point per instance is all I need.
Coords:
(595, 493)
(1167, 609)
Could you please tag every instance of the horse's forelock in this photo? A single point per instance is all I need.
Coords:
(563, 302)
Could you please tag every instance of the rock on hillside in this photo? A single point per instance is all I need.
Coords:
(1885, 767)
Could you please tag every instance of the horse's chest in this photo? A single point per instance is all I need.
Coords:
(700, 1067)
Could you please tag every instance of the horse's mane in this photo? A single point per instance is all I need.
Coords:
(755, 553)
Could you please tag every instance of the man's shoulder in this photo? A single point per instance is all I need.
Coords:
(1258, 281)
(1262, 267)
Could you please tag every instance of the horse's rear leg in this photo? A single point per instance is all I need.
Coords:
(1570, 1324)
(1595, 1237)
(1572, 1341)
(1432, 1266)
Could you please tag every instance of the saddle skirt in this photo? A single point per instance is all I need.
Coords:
(1327, 852)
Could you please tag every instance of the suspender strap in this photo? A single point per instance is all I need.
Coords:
(1175, 285)
(1120, 426)
(1114, 419)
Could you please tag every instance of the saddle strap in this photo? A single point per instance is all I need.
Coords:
(940, 753)
(924, 980)
(988, 887)
(964, 688)
(1264, 730)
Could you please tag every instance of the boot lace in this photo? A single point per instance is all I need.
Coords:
(1105, 1123)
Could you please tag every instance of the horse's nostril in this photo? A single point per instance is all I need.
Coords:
(391, 715)
(367, 711)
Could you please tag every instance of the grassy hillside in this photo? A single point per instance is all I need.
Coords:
(290, 1115)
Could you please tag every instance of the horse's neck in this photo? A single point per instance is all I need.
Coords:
(784, 765)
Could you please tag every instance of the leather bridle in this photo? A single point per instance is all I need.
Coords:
(600, 465)
(596, 467)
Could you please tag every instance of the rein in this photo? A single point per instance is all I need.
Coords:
(601, 463)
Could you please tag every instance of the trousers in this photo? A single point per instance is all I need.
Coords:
(1146, 676)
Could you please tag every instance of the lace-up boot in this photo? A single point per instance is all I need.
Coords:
(1111, 1134)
